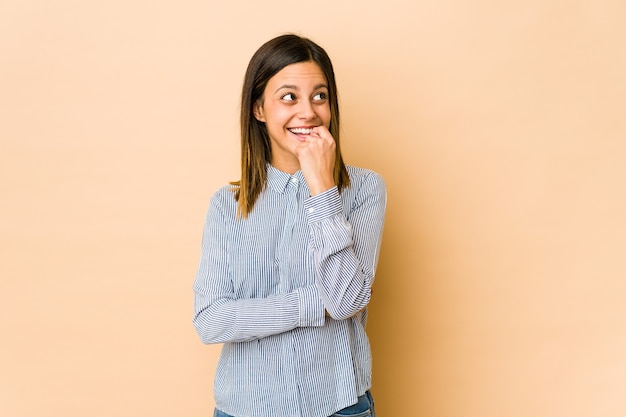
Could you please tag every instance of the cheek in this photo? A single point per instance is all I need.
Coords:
(279, 116)
(324, 114)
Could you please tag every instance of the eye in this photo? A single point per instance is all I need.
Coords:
(288, 97)
(321, 96)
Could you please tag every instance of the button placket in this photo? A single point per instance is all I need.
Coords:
(284, 266)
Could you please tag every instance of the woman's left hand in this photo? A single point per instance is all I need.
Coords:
(317, 160)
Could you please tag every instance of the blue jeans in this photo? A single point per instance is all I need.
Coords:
(363, 408)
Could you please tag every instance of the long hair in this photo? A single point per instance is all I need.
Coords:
(256, 150)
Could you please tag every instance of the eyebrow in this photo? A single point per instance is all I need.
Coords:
(295, 87)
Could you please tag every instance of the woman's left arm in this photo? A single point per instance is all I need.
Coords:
(346, 245)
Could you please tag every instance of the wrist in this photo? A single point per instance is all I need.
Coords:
(320, 186)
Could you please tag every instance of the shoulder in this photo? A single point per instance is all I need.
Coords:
(367, 188)
(223, 201)
(225, 194)
(367, 193)
(363, 177)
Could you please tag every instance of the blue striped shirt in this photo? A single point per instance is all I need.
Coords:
(265, 282)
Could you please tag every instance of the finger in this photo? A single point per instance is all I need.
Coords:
(315, 137)
(321, 132)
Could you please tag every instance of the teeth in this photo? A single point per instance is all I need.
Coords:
(301, 130)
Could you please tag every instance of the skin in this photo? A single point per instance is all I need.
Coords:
(297, 98)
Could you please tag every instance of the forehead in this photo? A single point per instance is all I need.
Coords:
(298, 73)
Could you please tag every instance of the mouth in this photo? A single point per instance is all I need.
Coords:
(300, 130)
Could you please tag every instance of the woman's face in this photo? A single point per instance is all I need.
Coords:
(294, 101)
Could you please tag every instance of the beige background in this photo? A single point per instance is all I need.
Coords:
(499, 127)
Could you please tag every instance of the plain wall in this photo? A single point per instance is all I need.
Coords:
(498, 126)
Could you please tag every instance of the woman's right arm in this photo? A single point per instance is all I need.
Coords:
(220, 317)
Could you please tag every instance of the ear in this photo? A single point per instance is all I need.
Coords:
(257, 110)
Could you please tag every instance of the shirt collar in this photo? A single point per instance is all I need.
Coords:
(278, 180)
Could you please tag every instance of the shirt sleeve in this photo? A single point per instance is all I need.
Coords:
(220, 317)
(346, 246)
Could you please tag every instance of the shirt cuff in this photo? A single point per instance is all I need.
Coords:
(312, 312)
(323, 205)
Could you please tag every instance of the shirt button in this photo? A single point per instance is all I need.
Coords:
(312, 210)
(294, 180)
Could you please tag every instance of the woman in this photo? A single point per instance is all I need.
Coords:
(289, 251)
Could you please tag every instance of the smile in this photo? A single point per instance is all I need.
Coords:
(300, 130)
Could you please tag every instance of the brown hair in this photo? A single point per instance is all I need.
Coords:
(256, 151)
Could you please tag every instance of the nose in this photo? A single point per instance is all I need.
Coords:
(306, 110)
